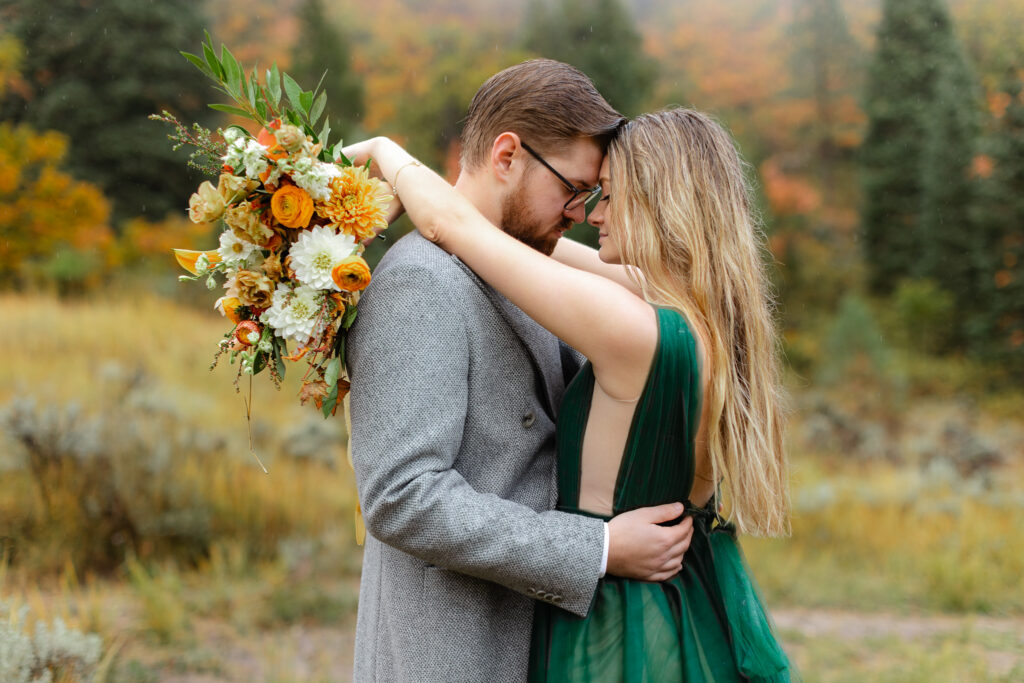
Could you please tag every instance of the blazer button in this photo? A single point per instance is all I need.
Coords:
(531, 591)
(557, 599)
(529, 419)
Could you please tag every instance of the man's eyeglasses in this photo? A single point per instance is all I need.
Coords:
(579, 196)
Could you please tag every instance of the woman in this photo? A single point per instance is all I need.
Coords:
(680, 394)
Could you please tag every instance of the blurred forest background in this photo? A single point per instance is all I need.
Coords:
(140, 542)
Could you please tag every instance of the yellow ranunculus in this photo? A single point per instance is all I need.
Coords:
(205, 204)
(292, 206)
(351, 274)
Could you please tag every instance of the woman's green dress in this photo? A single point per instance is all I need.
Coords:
(704, 624)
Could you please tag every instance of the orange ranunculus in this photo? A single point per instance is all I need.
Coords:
(248, 332)
(351, 274)
(267, 138)
(292, 206)
(187, 258)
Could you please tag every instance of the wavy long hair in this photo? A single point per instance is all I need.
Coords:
(681, 206)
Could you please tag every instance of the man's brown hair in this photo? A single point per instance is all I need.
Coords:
(546, 103)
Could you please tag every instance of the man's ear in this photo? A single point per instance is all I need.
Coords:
(505, 156)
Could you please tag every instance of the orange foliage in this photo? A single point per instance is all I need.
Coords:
(787, 194)
(43, 209)
(142, 240)
(982, 166)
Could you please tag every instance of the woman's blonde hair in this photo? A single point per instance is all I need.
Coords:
(682, 210)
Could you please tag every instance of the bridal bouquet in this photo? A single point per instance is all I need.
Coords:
(293, 213)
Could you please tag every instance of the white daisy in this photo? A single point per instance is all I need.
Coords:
(232, 250)
(295, 313)
(316, 253)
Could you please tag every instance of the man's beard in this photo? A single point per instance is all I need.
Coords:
(518, 222)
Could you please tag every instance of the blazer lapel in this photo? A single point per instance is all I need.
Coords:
(541, 345)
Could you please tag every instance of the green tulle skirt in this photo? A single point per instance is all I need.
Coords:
(705, 624)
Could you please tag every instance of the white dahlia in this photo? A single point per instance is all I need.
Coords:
(232, 250)
(315, 254)
(295, 313)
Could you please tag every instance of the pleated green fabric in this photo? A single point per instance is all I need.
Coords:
(705, 624)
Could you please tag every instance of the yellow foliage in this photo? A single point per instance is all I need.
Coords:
(43, 209)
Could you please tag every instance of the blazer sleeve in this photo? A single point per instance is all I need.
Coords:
(408, 363)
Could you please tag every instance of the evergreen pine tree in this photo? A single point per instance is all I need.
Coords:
(915, 47)
(599, 38)
(947, 253)
(321, 47)
(996, 318)
(95, 71)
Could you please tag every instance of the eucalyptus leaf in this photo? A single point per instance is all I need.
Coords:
(239, 128)
(233, 76)
(321, 82)
(274, 85)
(292, 89)
(213, 62)
(332, 372)
(261, 109)
(318, 108)
(199, 64)
(324, 133)
(330, 401)
(229, 109)
(350, 317)
(306, 102)
(254, 87)
(293, 118)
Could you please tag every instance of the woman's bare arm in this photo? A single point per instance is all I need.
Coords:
(582, 257)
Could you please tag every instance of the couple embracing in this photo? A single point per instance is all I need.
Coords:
(544, 434)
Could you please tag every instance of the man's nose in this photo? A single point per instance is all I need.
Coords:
(577, 214)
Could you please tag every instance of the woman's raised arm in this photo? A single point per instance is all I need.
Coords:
(608, 323)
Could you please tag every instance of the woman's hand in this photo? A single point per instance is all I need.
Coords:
(361, 152)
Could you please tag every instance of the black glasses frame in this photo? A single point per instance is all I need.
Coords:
(579, 196)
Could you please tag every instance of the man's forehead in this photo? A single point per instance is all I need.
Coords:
(581, 159)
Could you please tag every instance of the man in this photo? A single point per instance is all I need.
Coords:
(454, 393)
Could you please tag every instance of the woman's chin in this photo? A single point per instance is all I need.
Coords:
(608, 255)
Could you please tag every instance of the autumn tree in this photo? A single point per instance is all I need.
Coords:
(94, 71)
(50, 224)
(323, 46)
(916, 60)
(600, 38)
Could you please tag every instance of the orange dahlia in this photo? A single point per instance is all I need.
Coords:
(358, 203)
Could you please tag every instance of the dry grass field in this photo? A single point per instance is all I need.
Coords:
(131, 508)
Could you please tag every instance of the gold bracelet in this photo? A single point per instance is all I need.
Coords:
(394, 183)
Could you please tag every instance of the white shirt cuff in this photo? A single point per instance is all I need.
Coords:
(604, 555)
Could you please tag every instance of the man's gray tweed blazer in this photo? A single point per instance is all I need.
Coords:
(453, 397)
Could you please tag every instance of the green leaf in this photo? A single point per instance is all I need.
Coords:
(324, 133)
(199, 64)
(259, 363)
(330, 401)
(213, 62)
(292, 89)
(321, 82)
(350, 317)
(233, 76)
(274, 85)
(306, 101)
(261, 109)
(254, 87)
(332, 372)
(293, 118)
(228, 109)
(318, 108)
(237, 127)
(339, 155)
